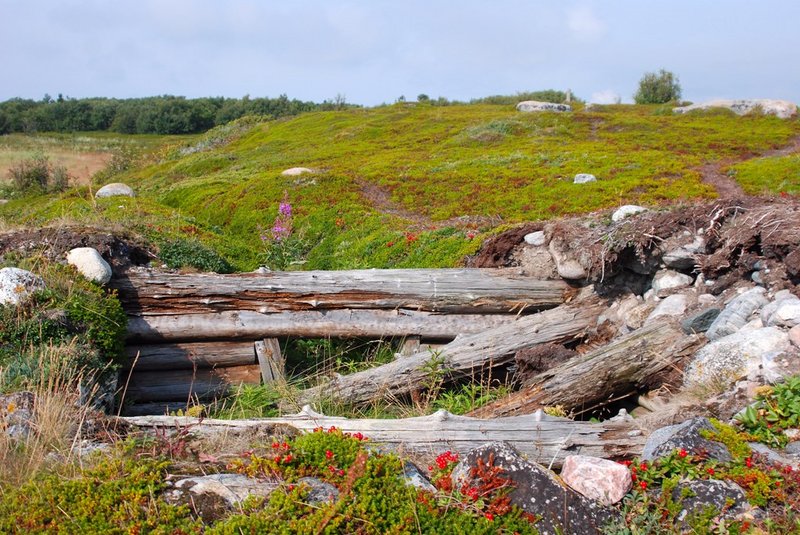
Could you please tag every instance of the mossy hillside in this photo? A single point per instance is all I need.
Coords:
(775, 175)
(388, 172)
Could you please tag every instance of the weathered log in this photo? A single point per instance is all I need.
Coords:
(465, 356)
(611, 372)
(270, 360)
(190, 355)
(438, 290)
(310, 324)
(544, 439)
(182, 385)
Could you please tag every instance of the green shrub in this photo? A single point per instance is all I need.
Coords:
(37, 174)
(182, 253)
(658, 88)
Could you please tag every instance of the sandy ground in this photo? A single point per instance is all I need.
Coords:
(81, 165)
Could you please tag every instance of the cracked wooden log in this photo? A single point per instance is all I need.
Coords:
(542, 438)
(466, 356)
(189, 355)
(309, 324)
(184, 385)
(435, 290)
(612, 372)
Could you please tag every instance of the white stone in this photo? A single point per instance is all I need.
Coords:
(674, 305)
(567, 265)
(782, 109)
(116, 189)
(233, 488)
(537, 239)
(17, 284)
(535, 105)
(769, 309)
(598, 479)
(734, 356)
(90, 264)
(667, 282)
(584, 178)
(706, 299)
(296, 171)
(627, 210)
(787, 314)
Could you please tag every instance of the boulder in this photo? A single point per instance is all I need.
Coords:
(769, 309)
(782, 109)
(794, 335)
(683, 256)
(625, 211)
(538, 491)
(597, 479)
(787, 314)
(584, 178)
(16, 414)
(686, 435)
(321, 492)
(213, 496)
(17, 284)
(535, 105)
(116, 189)
(674, 305)
(737, 313)
(90, 264)
(567, 264)
(737, 355)
(696, 496)
(667, 282)
(537, 262)
(773, 456)
(414, 477)
(537, 239)
(701, 321)
(296, 171)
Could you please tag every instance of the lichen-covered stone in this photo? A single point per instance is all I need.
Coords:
(17, 284)
(535, 105)
(686, 435)
(116, 189)
(626, 211)
(696, 496)
(16, 414)
(538, 491)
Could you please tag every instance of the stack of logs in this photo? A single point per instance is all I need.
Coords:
(192, 337)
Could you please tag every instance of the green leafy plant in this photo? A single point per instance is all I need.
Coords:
(775, 410)
(182, 253)
(658, 88)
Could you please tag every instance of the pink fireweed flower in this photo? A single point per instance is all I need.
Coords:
(285, 209)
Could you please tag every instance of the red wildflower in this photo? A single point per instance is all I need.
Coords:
(643, 484)
(489, 517)
(710, 471)
(328, 454)
(682, 453)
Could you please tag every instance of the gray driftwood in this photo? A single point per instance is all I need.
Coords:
(270, 360)
(544, 439)
(309, 324)
(190, 355)
(439, 290)
(609, 373)
(466, 356)
(183, 385)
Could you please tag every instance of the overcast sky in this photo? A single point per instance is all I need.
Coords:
(373, 51)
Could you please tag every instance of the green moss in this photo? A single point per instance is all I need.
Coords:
(774, 175)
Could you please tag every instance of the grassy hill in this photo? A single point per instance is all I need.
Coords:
(416, 184)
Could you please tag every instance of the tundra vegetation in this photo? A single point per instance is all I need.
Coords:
(404, 185)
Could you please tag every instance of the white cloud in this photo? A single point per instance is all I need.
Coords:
(584, 24)
(607, 96)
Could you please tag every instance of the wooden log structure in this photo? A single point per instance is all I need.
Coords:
(434, 290)
(466, 355)
(611, 372)
(187, 356)
(183, 385)
(252, 325)
(544, 439)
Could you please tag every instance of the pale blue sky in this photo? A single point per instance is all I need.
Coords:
(374, 51)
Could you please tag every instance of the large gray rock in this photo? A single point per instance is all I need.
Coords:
(213, 496)
(672, 306)
(686, 435)
(414, 477)
(684, 256)
(626, 211)
(779, 108)
(116, 189)
(696, 496)
(737, 313)
(584, 178)
(744, 353)
(16, 414)
(568, 264)
(769, 309)
(598, 479)
(538, 491)
(701, 321)
(787, 314)
(667, 282)
(17, 284)
(535, 105)
(90, 264)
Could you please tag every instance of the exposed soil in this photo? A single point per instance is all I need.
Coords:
(54, 242)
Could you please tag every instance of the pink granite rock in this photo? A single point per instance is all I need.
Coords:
(598, 479)
(794, 335)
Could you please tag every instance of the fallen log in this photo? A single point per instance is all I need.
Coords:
(189, 355)
(542, 438)
(309, 324)
(184, 385)
(612, 372)
(466, 356)
(437, 290)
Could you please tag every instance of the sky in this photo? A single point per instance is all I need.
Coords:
(374, 51)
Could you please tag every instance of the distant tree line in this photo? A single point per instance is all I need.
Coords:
(152, 115)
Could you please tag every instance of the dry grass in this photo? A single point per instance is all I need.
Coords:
(55, 430)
